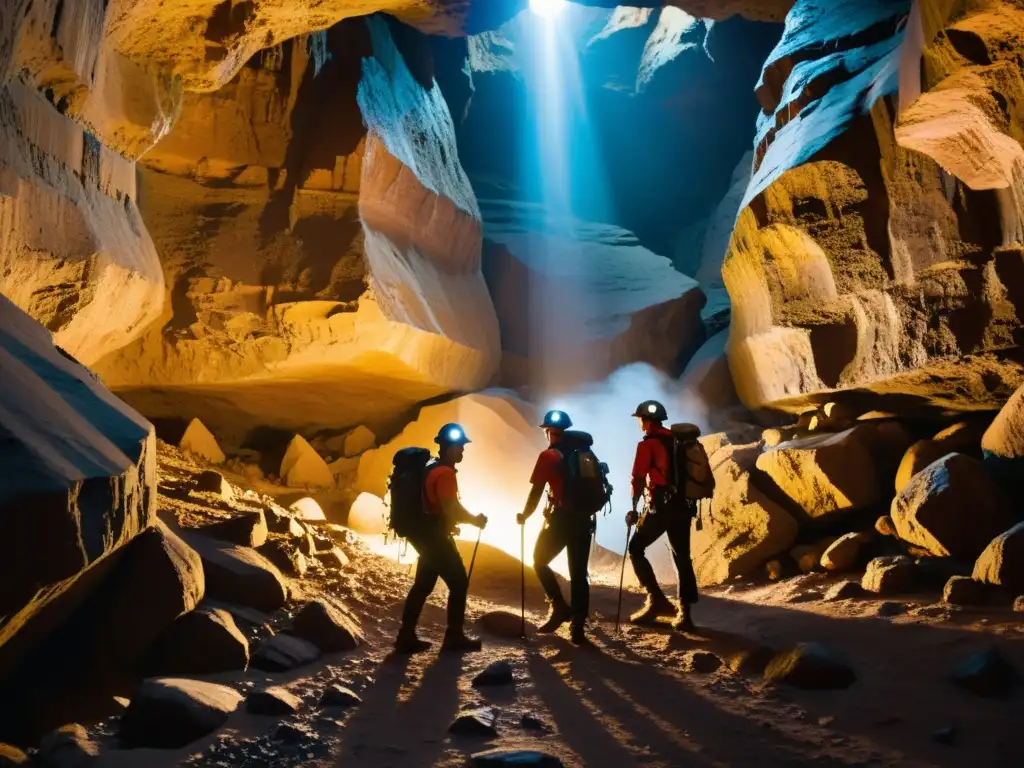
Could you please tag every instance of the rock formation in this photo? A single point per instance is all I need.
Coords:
(863, 258)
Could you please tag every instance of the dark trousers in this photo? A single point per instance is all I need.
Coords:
(438, 558)
(562, 531)
(673, 519)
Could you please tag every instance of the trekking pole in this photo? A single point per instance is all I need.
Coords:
(622, 578)
(522, 580)
(472, 560)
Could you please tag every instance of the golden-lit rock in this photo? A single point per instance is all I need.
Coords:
(1005, 436)
(962, 437)
(741, 527)
(825, 474)
(844, 554)
(952, 508)
(302, 467)
(849, 269)
(199, 441)
(1002, 561)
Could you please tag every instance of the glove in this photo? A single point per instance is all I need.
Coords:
(632, 518)
(481, 521)
(520, 519)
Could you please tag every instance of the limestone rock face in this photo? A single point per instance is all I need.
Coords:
(952, 508)
(332, 263)
(865, 256)
(745, 527)
(78, 485)
(75, 253)
(604, 302)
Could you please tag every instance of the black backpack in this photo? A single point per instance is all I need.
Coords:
(585, 479)
(407, 485)
(689, 465)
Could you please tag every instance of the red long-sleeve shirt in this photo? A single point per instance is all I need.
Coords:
(651, 465)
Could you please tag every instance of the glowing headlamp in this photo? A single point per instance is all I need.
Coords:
(454, 434)
(652, 408)
(556, 417)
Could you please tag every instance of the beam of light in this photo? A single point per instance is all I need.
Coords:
(548, 9)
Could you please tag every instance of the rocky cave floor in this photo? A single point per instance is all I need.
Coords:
(879, 689)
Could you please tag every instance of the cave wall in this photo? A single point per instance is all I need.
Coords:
(872, 254)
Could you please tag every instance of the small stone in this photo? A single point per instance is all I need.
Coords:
(325, 626)
(204, 641)
(168, 713)
(284, 652)
(1018, 604)
(945, 735)
(844, 590)
(339, 696)
(701, 662)
(889, 575)
(11, 756)
(963, 590)
(286, 556)
(844, 554)
(775, 569)
(67, 747)
(888, 608)
(209, 481)
(498, 673)
(986, 674)
(753, 661)
(811, 666)
(502, 624)
(358, 441)
(272, 702)
(478, 722)
(303, 467)
(525, 758)
(885, 526)
(531, 722)
(248, 529)
(333, 559)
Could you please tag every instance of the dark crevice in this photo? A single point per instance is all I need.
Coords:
(57, 14)
(969, 45)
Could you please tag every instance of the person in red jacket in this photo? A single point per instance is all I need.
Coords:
(564, 528)
(438, 556)
(666, 512)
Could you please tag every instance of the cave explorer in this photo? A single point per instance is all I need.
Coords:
(434, 542)
(666, 510)
(577, 489)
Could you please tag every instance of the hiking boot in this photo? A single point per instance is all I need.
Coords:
(684, 621)
(577, 636)
(459, 642)
(407, 644)
(654, 608)
(557, 616)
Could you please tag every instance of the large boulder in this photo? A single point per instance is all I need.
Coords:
(67, 747)
(1005, 436)
(963, 437)
(303, 467)
(825, 474)
(952, 508)
(205, 641)
(239, 574)
(743, 526)
(1002, 561)
(284, 652)
(326, 627)
(78, 482)
(890, 575)
(200, 442)
(168, 713)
